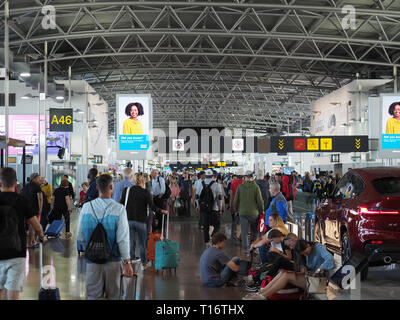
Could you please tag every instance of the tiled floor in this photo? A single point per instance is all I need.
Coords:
(186, 284)
(382, 283)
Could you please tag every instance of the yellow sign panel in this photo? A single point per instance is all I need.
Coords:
(281, 144)
(358, 143)
(326, 144)
(312, 144)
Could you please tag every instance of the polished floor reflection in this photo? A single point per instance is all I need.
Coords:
(186, 284)
(382, 283)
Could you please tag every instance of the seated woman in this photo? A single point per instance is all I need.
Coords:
(275, 222)
(310, 258)
(215, 267)
(279, 256)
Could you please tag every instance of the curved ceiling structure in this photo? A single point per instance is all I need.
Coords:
(228, 63)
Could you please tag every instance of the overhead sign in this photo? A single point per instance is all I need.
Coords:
(61, 120)
(237, 144)
(178, 144)
(220, 164)
(98, 159)
(315, 144)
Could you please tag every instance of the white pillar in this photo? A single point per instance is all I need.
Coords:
(6, 81)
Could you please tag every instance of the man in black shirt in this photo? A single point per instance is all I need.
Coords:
(33, 192)
(15, 211)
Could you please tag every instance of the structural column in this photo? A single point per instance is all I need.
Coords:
(43, 131)
(7, 79)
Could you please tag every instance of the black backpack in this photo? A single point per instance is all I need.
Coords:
(167, 192)
(98, 249)
(206, 200)
(10, 241)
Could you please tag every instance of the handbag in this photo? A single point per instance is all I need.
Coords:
(261, 227)
(316, 284)
(177, 203)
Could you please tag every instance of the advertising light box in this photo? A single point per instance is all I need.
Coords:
(135, 125)
(25, 127)
(389, 144)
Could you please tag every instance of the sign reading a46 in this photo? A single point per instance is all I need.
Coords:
(61, 120)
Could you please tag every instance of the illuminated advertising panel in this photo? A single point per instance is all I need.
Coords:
(25, 127)
(389, 126)
(135, 125)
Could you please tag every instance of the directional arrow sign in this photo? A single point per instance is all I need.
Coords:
(319, 144)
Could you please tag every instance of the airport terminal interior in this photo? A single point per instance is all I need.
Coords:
(292, 108)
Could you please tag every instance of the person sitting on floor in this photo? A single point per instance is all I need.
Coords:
(275, 222)
(215, 267)
(310, 258)
(253, 282)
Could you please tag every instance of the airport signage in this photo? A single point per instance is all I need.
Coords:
(319, 144)
(389, 137)
(61, 120)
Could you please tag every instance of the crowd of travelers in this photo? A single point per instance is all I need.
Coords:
(132, 205)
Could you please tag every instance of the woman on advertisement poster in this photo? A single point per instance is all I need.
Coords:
(393, 124)
(132, 125)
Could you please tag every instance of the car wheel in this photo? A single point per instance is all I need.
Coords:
(346, 247)
(364, 274)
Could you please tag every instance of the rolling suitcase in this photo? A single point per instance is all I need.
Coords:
(128, 287)
(49, 293)
(151, 245)
(357, 260)
(55, 229)
(167, 251)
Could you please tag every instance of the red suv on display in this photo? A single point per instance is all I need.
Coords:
(363, 215)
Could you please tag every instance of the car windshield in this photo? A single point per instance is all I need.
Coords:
(387, 186)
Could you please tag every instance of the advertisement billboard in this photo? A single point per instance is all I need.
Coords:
(390, 124)
(25, 127)
(389, 144)
(135, 125)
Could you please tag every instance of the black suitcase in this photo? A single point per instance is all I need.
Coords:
(357, 260)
